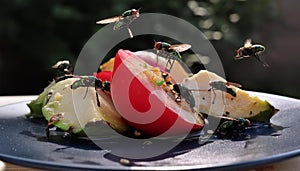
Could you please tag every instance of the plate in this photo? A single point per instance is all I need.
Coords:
(23, 141)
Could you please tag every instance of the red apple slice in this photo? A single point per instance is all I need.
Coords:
(145, 106)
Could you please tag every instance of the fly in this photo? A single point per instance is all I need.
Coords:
(182, 92)
(249, 50)
(124, 20)
(231, 126)
(91, 81)
(172, 52)
(65, 70)
(223, 86)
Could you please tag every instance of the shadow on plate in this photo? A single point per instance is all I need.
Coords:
(193, 141)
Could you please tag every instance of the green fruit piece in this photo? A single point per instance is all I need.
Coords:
(243, 105)
(36, 105)
(71, 109)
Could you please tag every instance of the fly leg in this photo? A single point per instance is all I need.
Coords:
(49, 95)
(170, 63)
(86, 91)
(53, 119)
(214, 98)
(129, 31)
(97, 98)
(48, 129)
(264, 64)
(223, 98)
(157, 57)
(177, 98)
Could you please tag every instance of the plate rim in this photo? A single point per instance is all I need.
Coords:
(68, 166)
(74, 166)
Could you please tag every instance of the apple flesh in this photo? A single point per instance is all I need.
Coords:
(144, 105)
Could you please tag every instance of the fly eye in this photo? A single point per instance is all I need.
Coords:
(134, 12)
(157, 45)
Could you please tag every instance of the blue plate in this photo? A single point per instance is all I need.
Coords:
(23, 141)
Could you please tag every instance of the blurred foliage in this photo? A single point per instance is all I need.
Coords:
(35, 34)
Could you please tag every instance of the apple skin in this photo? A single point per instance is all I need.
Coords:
(144, 106)
(104, 75)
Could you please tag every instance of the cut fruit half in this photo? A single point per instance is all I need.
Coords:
(71, 109)
(243, 105)
(144, 105)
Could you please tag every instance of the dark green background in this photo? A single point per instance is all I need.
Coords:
(35, 34)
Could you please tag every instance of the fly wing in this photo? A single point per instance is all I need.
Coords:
(109, 20)
(120, 24)
(227, 118)
(180, 47)
(234, 84)
(124, 22)
(248, 43)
